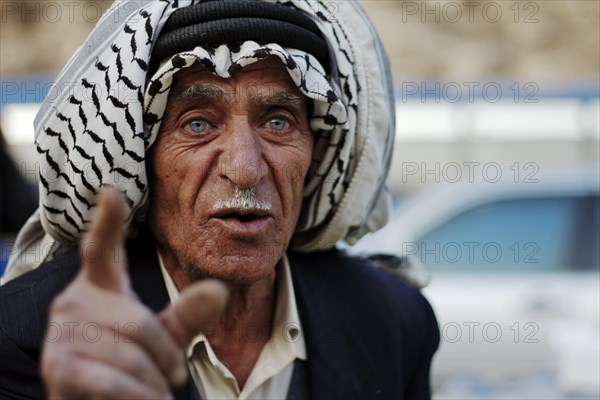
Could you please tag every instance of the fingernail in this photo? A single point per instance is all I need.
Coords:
(179, 375)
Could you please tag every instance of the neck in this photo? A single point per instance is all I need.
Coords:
(245, 328)
(246, 324)
(250, 306)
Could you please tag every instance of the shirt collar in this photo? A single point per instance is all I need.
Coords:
(287, 335)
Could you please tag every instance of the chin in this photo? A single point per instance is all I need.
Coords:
(243, 266)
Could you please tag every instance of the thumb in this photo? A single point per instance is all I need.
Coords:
(101, 249)
(198, 308)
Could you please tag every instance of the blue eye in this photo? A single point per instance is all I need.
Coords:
(277, 124)
(198, 125)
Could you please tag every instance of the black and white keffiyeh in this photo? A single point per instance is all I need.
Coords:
(97, 131)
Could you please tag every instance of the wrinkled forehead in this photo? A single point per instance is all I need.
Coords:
(263, 66)
(265, 82)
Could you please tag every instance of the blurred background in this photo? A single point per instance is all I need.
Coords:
(495, 175)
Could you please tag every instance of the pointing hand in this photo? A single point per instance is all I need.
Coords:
(116, 347)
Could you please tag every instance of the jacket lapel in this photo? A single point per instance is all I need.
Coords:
(145, 274)
(338, 361)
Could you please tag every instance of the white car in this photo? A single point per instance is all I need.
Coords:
(515, 282)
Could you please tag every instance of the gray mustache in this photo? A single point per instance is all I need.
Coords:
(245, 199)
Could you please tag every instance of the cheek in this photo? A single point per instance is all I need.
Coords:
(290, 171)
(167, 185)
(299, 170)
(163, 175)
(160, 202)
(177, 172)
(294, 173)
(159, 161)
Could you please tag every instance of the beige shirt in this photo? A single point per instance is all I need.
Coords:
(270, 378)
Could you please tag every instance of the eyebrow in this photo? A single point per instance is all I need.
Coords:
(212, 93)
(281, 99)
(207, 93)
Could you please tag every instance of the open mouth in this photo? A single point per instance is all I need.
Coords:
(244, 222)
(242, 217)
(248, 223)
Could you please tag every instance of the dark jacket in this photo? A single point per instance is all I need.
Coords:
(368, 335)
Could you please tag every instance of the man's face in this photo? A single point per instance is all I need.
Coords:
(227, 171)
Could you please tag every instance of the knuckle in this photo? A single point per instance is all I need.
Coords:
(63, 375)
(113, 387)
(134, 359)
(138, 366)
(146, 324)
(108, 386)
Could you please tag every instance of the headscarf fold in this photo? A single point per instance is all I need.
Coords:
(97, 130)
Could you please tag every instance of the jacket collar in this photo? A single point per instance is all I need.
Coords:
(338, 361)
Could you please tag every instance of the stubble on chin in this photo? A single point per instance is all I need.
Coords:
(237, 267)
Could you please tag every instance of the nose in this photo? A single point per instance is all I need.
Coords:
(242, 160)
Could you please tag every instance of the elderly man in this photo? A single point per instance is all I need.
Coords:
(233, 143)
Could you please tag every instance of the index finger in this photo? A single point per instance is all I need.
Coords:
(101, 253)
